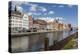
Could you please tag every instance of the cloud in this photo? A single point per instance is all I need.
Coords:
(42, 9)
(19, 8)
(54, 6)
(17, 4)
(50, 20)
(29, 13)
(59, 18)
(36, 13)
(70, 6)
(45, 13)
(33, 7)
(47, 19)
(61, 5)
(33, 13)
(51, 12)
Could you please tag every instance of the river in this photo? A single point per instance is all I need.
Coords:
(35, 42)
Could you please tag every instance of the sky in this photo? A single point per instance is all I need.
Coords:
(67, 13)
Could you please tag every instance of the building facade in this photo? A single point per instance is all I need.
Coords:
(15, 21)
(25, 22)
(30, 23)
(19, 21)
(40, 25)
(50, 26)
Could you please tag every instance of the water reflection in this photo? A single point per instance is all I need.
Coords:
(36, 41)
(56, 35)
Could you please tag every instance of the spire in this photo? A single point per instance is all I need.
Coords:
(15, 8)
(58, 19)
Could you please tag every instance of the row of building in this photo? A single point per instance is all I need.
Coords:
(42, 25)
(20, 22)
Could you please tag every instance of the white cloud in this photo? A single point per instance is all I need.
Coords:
(43, 9)
(18, 5)
(29, 13)
(19, 8)
(37, 13)
(70, 6)
(50, 20)
(61, 6)
(51, 12)
(45, 13)
(19, 2)
(47, 19)
(60, 18)
(33, 7)
(54, 6)
(33, 13)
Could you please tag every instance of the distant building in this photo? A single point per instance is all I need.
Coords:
(55, 25)
(30, 23)
(64, 26)
(50, 26)
(39, 24)
(69, 26)
(60, 26)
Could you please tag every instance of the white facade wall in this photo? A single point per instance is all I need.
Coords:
(25, 21)
(49, 26)
(16, 21)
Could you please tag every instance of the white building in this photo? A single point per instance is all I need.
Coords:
(18, 21)
(15, 21)
(25, 22)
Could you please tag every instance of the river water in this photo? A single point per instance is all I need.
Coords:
(58, 36)
(35, 42)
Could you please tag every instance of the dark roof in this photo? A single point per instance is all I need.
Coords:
(16, 13)
(39, 21)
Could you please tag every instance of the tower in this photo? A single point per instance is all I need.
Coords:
(15, 8)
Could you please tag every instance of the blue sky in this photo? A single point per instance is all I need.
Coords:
(66, 12)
